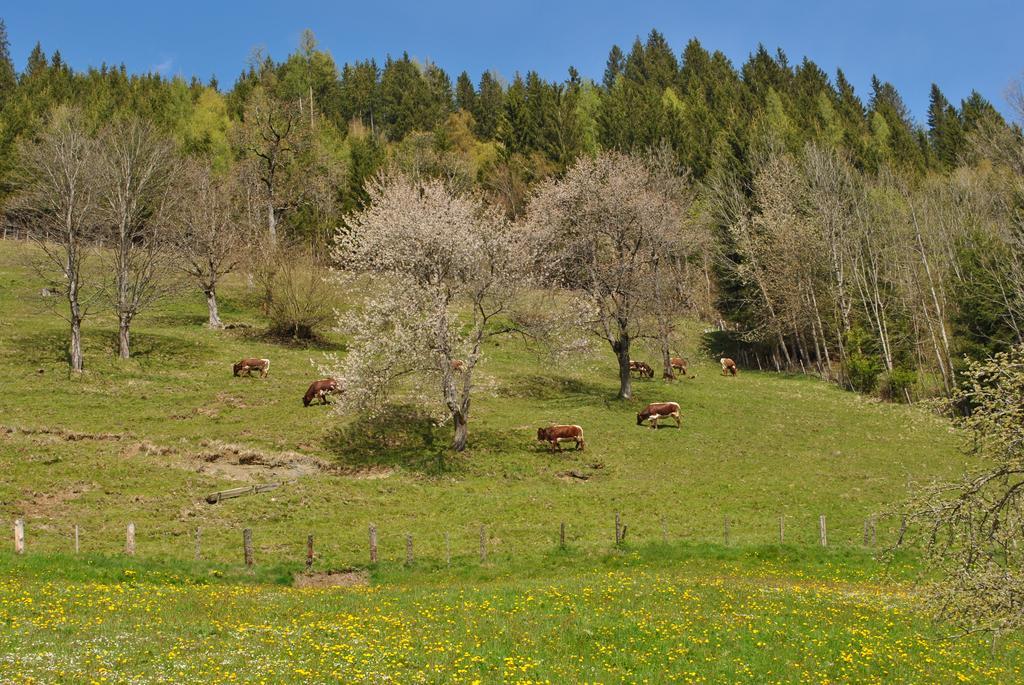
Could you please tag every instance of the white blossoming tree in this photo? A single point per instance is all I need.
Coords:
(605, 234)
(440, 272)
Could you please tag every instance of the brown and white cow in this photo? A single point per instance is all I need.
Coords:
(320, 390)
(643, 368)
(458, 365)
(728, 366)
(247, 366)
(679, 364)
(558, 434)
(659, 410)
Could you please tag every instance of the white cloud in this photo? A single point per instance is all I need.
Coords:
(164, 68)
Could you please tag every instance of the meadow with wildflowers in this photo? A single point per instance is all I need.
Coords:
(634, 619)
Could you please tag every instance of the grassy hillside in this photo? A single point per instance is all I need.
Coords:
(751, 448)
(134, 441)
(146, 440)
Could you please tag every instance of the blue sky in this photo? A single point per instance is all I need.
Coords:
(959, 45)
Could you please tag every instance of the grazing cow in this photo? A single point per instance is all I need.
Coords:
(728, 366)
(659, 410)
(247, 366)
(321, 390)
(643, 368)
(679, 364)
(458, 365)
(557, 434)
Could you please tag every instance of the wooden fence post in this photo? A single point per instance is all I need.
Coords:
(309, 552)
(822, 532)
(199, 549)
(725, 528)
(483, 543)
(408, 549)
(782, 530)
(76, 538)
(373, 544)
(874, 531)
(867, 528)
(618, 529)
(447, 549)
(247, 547)
(129, 542)
(561, 536)
(19, 536)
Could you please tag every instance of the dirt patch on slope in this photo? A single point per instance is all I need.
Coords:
(243, 463)
(51, 505)
(344, 578)
(62, 434)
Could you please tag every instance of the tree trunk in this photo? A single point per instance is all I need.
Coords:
(621, 349)
(211, 305)
(76, 343)
(123, 350)
(272, 224)
(75, 350)
(461, 431)
(666, 359)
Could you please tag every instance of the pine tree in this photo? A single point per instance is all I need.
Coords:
(490, 105)
(945, 128)
(901, 140)
(465, 95)
(517, 131)
(359, 92)
(975, 109)
(615, 65)
(8, 79)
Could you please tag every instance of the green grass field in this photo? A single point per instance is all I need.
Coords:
(145, 440)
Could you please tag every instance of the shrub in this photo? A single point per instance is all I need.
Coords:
(895, 385)
(297, 300)
(862, 372)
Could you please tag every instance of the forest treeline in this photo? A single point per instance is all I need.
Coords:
(828, 231)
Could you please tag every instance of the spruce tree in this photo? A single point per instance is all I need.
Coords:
(490, 105)
(517, 130)
(945, 129)
(613, 67)
(465, 95)
(8, 79)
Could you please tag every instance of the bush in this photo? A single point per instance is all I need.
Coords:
(862, 372)
(297, 300)
(895, 385)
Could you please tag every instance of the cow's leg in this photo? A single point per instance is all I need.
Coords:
(654, 422)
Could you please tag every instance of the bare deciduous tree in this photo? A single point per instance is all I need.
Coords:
(596, 233)
(135, 176)
(971, 528)
(209, 236)
(59, 204)
(442, 272)
(285, 169)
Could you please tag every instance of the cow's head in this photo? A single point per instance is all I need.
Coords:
(640, 418)
(542, 433)
(236, 368)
